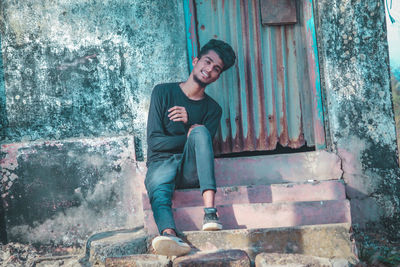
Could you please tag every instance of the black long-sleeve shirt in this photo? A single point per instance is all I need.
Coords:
(166, 137)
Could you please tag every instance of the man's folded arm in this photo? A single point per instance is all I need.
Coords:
(157, 140)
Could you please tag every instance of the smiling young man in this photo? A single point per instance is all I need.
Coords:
(182, 121)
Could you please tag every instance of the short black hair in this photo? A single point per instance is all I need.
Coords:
(224, 51)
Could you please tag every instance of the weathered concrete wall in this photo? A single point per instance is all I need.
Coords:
(86, 68)
(355, 71)
(77, 82)
(61, 192)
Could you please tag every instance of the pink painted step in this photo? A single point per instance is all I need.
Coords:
(293, 192)
(262, 206)
(311, 191)
(262, 215)
(275, 169)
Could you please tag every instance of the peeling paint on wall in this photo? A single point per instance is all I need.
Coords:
(355, 67)
(61, 192)
(79, 68)
(75, 71)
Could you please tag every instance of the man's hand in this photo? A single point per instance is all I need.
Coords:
(178, 113)
(192, 127)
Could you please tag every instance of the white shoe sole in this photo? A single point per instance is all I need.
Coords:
(212, 227)
(170, 246)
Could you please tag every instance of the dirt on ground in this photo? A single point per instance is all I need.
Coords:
(15, 254)
(375, 249)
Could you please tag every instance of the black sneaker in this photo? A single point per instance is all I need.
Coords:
(170, 245)
(211, 221)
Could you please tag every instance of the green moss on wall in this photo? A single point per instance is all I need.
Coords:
(355, 67)
(76, 68)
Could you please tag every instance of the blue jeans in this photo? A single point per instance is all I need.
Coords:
(191, 169)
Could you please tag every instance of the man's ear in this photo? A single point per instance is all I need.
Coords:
(194, 61)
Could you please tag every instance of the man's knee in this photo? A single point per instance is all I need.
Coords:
(200, 134)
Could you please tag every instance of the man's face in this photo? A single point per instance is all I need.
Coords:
(207, 69)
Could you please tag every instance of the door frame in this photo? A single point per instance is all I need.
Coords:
(320, 125)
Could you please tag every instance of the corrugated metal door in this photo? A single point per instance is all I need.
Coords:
(272, 95)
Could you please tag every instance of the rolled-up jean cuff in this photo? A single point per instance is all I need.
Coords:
(213, 188)
(164, 226)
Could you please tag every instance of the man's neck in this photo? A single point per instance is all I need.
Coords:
(192, 89)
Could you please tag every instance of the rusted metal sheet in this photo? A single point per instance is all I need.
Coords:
(278, 12)
(272, 94)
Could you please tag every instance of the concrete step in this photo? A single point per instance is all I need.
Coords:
(280, 168)
(261, 215)
(148, 260)
(261, 206)
(326, 241)
(276, 193)
(117, 243)
(226, 258)
(278, 259)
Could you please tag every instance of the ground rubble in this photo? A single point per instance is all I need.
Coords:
(16, 254)
(26, 255)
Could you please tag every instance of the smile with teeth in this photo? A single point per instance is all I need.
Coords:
(205, 74)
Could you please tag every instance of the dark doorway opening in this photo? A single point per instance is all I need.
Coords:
(279, 150)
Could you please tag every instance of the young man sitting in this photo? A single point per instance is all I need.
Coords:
(182, 122)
